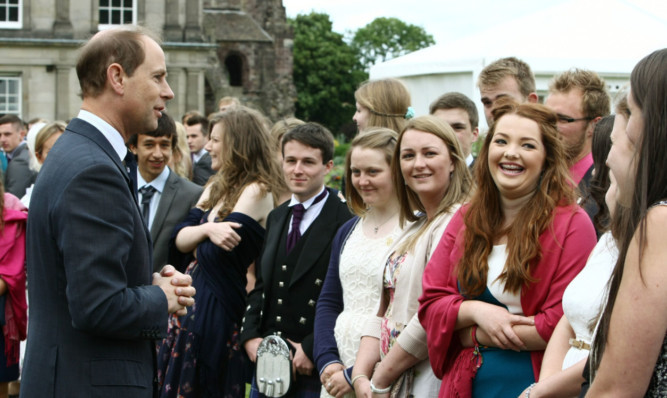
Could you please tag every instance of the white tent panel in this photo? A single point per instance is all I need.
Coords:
(608, 36)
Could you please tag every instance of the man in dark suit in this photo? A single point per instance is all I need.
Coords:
(290, 275)
(196, 128)
(164, 197)
(94, 314)
(18, 176)
(459, 112)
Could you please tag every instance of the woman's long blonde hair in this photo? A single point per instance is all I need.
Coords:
(247, 158)
(460, 181)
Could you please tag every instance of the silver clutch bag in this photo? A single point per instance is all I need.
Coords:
(273, 372)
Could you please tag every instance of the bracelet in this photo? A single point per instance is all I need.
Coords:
(376, 390)
(530, 387)
(473, 335)
(357, 377)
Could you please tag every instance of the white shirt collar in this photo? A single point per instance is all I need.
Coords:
(469, 160)
(198, 155)
(109, 132)
(307, 203)
(158, 183)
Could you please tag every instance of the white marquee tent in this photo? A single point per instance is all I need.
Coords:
(607, 36)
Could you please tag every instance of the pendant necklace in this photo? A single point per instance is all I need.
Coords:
(377, 227)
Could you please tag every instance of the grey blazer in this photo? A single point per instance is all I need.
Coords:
(178, 197)
(18, 176)
(201, 171)
(94, 315)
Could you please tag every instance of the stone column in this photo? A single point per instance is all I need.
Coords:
(194, 97)
(173, 31)
(193, 12)
(63, 93)
(62, 27)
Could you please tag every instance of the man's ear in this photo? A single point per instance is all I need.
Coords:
(133, 149)
(591, 126)
(329, 165)
(533, 98)
(116, 78)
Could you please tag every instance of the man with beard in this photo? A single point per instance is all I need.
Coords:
(580, 99)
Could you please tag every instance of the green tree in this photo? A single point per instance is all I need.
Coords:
(387, 38)
(326, 72)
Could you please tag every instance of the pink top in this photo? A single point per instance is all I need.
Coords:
(565, 246)
(12, 271)
(579, 169)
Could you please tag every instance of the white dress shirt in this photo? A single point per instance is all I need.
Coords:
(158, 183)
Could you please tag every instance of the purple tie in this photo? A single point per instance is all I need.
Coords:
(297, 215)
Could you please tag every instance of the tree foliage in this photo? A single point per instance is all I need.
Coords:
(387, 38)
(327, 71)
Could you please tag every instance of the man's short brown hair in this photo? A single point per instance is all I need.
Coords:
(455, 100)
(595, 100)
(122, 45)
(496, 71)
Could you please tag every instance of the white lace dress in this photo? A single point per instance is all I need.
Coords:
(360, 271)
(585, 295)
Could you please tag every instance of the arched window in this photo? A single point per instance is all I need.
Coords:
(234, 65)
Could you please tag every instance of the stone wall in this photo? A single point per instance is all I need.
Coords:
(199, 37)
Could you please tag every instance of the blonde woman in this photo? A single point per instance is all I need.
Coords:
(432, 181)
(353, 282)
(382, 103)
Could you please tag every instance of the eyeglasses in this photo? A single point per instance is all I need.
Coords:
(567, 119)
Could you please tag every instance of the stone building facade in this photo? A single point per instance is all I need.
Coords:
(213, 48)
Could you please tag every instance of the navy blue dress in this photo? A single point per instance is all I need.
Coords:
(201, 356)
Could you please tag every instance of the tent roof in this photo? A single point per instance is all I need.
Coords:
(608, 36)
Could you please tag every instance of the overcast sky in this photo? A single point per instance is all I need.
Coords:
(444, 19)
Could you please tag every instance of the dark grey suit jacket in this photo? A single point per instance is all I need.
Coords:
(178, 197)
(93, 312)
(18, 176)
(309, 272)
(201, 171)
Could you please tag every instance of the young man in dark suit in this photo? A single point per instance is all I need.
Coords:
(196, 129)
(95, 309)
(165, 198)
(292, 266)
(18, 176)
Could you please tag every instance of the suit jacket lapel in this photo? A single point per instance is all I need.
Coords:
(89, 131)
(319, 236)
(167, 197)
(273, 240)
(81, 127)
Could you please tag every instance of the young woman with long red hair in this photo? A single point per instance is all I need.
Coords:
(493, 287)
